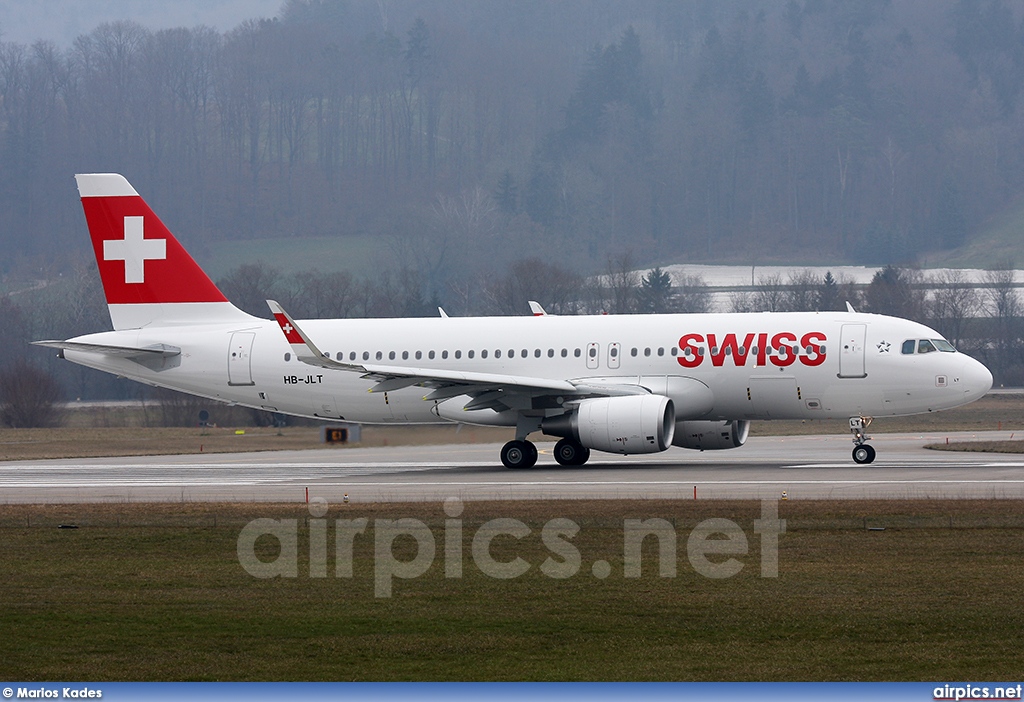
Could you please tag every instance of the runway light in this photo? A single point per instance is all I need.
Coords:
(784, 496)
(345, 498)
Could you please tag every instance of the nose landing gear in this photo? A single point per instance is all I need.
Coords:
(862, 451)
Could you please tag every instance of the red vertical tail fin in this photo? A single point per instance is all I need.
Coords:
(148, 277)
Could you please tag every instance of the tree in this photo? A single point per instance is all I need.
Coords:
(507, 194)
(178, 409)
(949, 227)
(541, 197)
(557, 290)
(1005, 307)
(828, 295)
(655, 294)
(250, 286)
(13, 321)
(953, 302)
(621, 282)
(692, 295)
(801, 295)
(29, 396)
(769, 295)
(896, 292)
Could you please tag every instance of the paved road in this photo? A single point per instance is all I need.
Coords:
(805, 467)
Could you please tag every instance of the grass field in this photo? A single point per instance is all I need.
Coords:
(156, 592)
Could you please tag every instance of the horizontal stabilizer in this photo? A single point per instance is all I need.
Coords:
(153, 351)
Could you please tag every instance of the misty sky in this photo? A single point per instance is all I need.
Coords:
(60, 21)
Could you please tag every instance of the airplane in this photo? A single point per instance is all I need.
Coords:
(621, 384)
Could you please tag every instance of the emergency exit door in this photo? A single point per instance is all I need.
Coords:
(240, 358)
(851, 351)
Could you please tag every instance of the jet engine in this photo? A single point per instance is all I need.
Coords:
(631, 424)
(710, 436)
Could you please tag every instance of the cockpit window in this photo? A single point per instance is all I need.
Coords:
(911, 346)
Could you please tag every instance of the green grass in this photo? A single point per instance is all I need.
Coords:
(155, 592)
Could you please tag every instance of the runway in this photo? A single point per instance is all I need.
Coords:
(805, 467)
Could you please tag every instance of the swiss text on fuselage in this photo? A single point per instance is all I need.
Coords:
(780, 349)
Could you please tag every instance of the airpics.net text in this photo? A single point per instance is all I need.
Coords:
(713, 547)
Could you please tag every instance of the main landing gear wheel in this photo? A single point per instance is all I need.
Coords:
(863, 453)
(519, 454)
(571, 453)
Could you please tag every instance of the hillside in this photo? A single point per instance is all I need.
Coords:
(997, 242)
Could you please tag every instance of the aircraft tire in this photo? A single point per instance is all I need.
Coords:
(571, 453)
(863, 454)
(519, 454)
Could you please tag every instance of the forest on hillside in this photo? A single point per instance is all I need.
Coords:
(473, 133)
(506, 150)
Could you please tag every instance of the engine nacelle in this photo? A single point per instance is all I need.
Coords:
(631, 424)
(711, 436)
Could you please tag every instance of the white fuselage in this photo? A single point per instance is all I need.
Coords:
(711, 366)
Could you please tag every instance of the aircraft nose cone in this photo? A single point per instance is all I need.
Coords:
(976, 378)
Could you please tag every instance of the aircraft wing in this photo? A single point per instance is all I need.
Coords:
(487, 390)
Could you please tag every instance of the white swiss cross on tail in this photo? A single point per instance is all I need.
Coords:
(134, 250)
